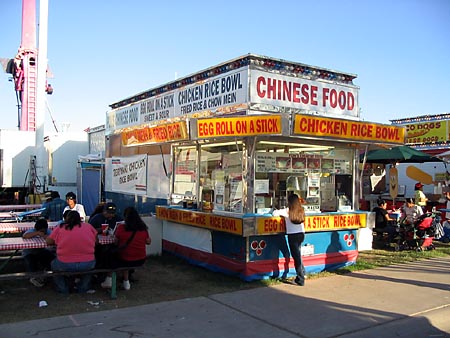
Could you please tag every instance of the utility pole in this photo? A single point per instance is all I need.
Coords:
(41, 97)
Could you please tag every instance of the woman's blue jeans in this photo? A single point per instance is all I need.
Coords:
(62, 284)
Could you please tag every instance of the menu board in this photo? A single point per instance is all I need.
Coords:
(342, 166)
(281, 162)
(265, 162)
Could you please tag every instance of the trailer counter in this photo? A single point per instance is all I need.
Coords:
(254, 246)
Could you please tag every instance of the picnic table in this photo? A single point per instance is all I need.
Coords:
(8, 228)
(15, 244)
(18, 216)
(19, 243)
(13, 207)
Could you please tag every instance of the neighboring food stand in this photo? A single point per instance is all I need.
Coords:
(430, 135)
(241, 137)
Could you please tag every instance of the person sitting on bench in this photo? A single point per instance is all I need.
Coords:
(38, 259)
(383, 222)
(75, 246)
(132, 237)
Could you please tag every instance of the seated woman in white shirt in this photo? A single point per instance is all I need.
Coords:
(410, 211)
(71, 200)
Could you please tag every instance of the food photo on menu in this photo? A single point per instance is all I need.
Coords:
(283, 162)
(313, 163)
(299, 163)
(327, 163)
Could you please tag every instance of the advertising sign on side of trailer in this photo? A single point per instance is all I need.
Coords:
(129, 174)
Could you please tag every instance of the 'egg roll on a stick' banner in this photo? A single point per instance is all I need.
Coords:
(240, 126)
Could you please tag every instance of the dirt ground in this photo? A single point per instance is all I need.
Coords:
(163, 278)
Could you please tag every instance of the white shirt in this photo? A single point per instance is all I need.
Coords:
(79, 208)
(412, 213)
(291, 228)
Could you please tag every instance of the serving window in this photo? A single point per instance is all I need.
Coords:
(321, 175)
(185, 180)
(226, 176)
(221, 184)
(210, 175)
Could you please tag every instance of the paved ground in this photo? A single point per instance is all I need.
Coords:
(411, 300)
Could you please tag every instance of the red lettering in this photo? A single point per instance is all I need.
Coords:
(314, 95)
(296, 92)
(305, 94)
(259, 84)
(272, 225)
(350, 101)
(334, 98)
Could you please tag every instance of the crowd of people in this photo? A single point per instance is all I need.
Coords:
(78, 249)
(408, 214)
(73, 244)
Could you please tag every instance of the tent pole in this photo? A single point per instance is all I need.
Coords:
(362, 172)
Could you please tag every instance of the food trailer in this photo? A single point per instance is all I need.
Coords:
(241, 137)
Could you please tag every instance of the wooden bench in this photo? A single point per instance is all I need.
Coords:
(46, 274)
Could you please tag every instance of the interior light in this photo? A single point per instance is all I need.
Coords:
(211, 145)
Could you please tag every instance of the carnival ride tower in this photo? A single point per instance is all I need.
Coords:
(24, 70)
(29, 73)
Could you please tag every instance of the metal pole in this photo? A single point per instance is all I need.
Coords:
(41, 97)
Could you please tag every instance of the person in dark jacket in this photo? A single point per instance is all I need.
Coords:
(108, 216)
(54, 208)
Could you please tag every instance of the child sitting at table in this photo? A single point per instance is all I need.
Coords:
(38, 259)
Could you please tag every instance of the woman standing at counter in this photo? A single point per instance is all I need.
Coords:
(294, 216)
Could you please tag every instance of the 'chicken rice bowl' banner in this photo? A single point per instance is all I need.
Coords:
(129, 174)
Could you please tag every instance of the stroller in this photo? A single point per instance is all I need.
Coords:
(445, 234)
(418, 236)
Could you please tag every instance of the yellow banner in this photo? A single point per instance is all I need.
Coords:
(345, 129)
(272, 225)
(201, 219)
(239, 126)
(265, 225)
(336, 221)
(426, 132)
(155, 134)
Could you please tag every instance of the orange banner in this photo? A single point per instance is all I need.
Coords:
(346, 129)
(155, 134)
(272, 225)
(201, 219)
(239, 126)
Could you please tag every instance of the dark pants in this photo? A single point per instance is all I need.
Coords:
(295, 241)
(390, 230)
(39, 260)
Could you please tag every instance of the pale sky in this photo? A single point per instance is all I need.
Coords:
(101, 52)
